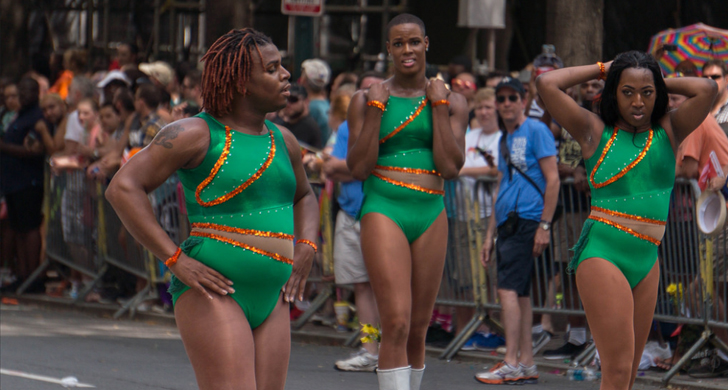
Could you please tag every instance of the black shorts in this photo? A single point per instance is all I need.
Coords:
(24, 209)
(514, 255)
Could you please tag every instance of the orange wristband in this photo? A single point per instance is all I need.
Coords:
(308, 242)
(602, 73)
(173, 260)
(441, 102)
(377, 104)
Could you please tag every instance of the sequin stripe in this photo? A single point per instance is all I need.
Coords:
(250, 232)
(629, 216)
(272, 255)
(221, 160)
(408, 170)
(408, 185)
(625, 169)
(626, 229)
(405, 123)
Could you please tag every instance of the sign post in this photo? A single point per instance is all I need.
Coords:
(302, 7)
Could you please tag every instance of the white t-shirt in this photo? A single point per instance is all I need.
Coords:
(473, 159)
(74, 129)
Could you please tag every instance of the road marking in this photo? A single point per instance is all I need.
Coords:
(40, 378)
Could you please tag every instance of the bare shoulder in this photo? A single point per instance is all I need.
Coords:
(294, 149)
(184, 133)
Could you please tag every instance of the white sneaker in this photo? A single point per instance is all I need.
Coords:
(361, 361)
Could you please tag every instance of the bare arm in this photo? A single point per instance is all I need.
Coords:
(306, 222)
(688, 168)
(582, 124)
(337, 170)
(551, 196)
(701, 93)
(19, 151)
(59, 140)
(490, 231)
(48, 143)
(449, 123)
(480, 171)
(364, 122)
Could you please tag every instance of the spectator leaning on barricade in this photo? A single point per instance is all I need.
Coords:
(54, 112)
(524, 207)
(296, 118)
(21, 182)
(718, 71)
(481, 159)
(81, 88)
(315, 77)
(349, 267)
(693, 156)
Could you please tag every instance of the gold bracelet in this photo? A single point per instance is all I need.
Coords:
(441, 102)
(377, 104)
(173, 260)
(602, 73)
(308, 242)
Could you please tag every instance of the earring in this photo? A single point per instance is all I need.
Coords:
(427, 48)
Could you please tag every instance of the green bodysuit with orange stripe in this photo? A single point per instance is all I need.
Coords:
(405, 186)
(240, 204)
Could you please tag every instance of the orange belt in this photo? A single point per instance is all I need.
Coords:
(415, 179)
(278, 246)
(647, 229)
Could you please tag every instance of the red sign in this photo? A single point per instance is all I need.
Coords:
(302, 7)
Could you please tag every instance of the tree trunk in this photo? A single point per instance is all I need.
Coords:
(225, 15)
(14, 44)
(575, 27)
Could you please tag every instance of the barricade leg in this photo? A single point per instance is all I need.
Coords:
(39, 271)
(87, 289)
(586, 356)
(704, 338)
(460, 340)
(354, 339)
(133, 302)
(317, 303)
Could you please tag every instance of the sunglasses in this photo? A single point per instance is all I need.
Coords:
(293, 99)
(502, 99)
(464, 84)
(713, 76)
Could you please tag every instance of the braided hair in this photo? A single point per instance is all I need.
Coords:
(228, 64)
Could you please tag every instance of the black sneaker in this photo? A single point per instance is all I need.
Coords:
(710, 367)
(566, 351)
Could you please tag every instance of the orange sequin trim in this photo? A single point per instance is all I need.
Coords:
(253, 249)
(407, 122)
(250, 232)
(408, 185)
(629, 216)
(625, 169)
(173, 260)
(308, 242)
(440, 102)
(408, 170)
(377, 104)
(626, 229)
(221, 160)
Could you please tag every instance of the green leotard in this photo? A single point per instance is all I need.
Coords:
(265, 205)
(643, 191)
(412, 210)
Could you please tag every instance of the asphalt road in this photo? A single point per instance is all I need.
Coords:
(124, 354)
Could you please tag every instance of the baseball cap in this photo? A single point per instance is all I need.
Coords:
(160, 70)
(114, 75)
(317, 72)
(512, 83)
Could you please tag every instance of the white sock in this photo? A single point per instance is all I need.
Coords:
(537, 328)
(577, 336)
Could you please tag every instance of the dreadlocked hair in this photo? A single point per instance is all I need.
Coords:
(228, 64)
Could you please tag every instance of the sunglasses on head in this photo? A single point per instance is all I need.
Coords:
(713, 76)
(293, 99)
(502, 99)
(464, 83)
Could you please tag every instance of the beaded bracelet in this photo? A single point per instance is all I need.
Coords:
(441, 102)
(377, 104)
(602, 73)
(308, 242)
(173, 260)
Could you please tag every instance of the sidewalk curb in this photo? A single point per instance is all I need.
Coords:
(325, 337)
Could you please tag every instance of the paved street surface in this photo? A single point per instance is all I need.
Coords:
(123, 355)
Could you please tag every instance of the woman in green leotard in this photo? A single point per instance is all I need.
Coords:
(247, 198)
(406, 136)
(629, 152)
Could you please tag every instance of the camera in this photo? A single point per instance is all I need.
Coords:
(509, 227)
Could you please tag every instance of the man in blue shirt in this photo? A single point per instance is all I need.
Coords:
(523, 212)
(349, 265)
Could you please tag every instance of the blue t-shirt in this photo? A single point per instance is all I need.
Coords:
(319, 111)
(530, 142)
(352, 195)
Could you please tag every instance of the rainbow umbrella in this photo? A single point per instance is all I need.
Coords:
(698, 43)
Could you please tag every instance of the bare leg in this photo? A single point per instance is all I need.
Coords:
(428, 261)
(645, 300)
(273, 348)
(525, 343)
(389, 264)
(511, 316)
(609, 307)
(218, 341)
(28, 251)
(366, 308)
